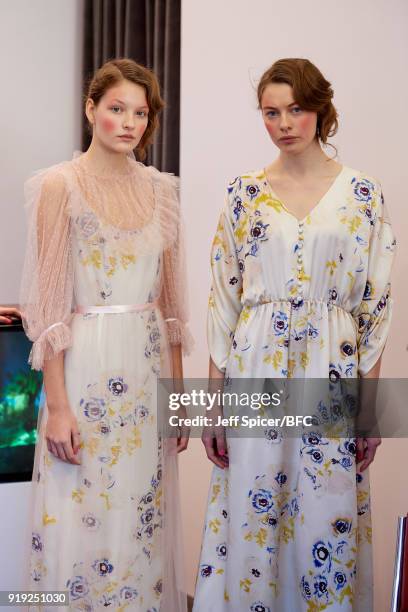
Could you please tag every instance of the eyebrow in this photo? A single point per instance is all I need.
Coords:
(274, 107)
(124, 103)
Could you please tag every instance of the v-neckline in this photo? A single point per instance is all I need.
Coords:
(317, 205)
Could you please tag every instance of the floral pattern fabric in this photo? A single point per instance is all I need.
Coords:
(99, 530)
(288, 524)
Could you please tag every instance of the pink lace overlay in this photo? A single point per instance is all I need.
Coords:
(138, 209)
(47, 284)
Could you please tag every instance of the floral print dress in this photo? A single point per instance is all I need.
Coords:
(100, 530)
(288, 522)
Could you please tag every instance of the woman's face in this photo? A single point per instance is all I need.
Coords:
(291, 128)
(120, 118)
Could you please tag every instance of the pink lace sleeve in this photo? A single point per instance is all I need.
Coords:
(173, 297)
(47, 285)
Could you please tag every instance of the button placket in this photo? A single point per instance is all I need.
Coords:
(300, 243)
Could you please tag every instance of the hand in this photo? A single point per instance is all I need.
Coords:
(214, 440)
(62, 435)
(184, 432)
(366, 449)
(8, 315)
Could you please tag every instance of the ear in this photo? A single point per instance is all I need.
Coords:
(89, 110)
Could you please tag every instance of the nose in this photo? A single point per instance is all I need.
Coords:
(285, 123)
(128, 121)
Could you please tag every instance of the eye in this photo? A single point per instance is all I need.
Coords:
(271, 113)
(141, 113)
(115, 109)
(296, 110)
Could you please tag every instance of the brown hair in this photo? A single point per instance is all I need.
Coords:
(310, 90)
(116, 70)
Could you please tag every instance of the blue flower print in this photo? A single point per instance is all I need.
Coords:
(368, 291)
(78, 587)
(117, 386)
(252, 191)
(258, 606)
(261, 500)
(238, 208)
(221, 551)
(281, 478)
(206, 570)
(322, 555)
(94, 408)
(280, 323)
(341, 526)
(36, 543)
(320, 587)
(128, 593)
(102, 567)
(340, 580)
(316, 455)
(305, 588)
(363, 190)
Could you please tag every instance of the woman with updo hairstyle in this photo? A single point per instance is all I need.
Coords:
(300, 307)
(103, 300)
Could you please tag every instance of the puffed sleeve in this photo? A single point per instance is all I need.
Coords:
(173, 298)
(225, 305)
(46, 293)
(373, 314)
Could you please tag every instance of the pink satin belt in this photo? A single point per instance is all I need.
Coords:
(116, 308)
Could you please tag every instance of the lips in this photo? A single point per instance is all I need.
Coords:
(126, 137)
(288, 138)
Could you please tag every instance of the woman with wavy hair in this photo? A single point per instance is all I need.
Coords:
(301, 266)
(103, 301)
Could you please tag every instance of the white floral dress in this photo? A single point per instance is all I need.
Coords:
(288, 522)
(106, 531)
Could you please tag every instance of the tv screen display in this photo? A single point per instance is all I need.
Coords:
(20, 397)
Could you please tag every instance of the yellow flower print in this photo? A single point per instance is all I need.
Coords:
(215, 492)
(240, 230)
(304, 359)
(48, 520)
(214, 525)
(245, 585)
(331, 264)
(77, 495)
(354, 224)
(269, 201)
(94, 259)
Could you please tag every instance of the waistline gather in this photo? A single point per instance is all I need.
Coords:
(295, 303)
(116, 308)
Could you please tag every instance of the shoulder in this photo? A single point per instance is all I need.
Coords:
(364, 186)
(48, 183)
(163, 180)
(247, 184)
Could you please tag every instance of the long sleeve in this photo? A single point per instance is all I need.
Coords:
(373, 315)
(173, 298)
(46, 294)
(226, 288)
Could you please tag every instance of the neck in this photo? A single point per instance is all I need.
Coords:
(311, 160)
(102, 160)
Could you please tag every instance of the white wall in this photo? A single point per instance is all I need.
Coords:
(362, 49)
(40, 67)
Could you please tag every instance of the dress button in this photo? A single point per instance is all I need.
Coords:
(300, 245)
(299, 267)
(300, 230)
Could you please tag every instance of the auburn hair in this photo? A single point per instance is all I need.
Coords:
(116, 70)
(310, 90)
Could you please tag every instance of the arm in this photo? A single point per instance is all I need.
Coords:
(373, 317)
(46, 299)
(173, 299)
(223, 314)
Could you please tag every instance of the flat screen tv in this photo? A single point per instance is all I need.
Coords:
(20, 396)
